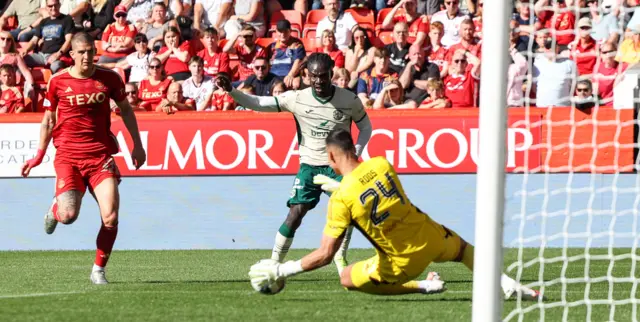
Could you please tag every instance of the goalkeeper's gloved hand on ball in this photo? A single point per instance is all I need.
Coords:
(263, 272)
(326, 183)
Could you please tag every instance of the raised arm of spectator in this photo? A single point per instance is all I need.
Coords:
(520, 61)
(182, 55)
(475, 62)
(387, 23)
(407, 75)
(378, 104)
(229, 47)
(471, 5)
(33, 43)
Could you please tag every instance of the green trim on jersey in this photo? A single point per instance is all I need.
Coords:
(298, 130)
(277, 104)
(321, 100)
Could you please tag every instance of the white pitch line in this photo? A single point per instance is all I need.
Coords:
(14, 296)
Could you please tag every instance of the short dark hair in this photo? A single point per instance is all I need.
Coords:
(210, 32)
(341, 139)
(140, 37)
(196, 59)
(82, 37)
(320, 58)
(8, 68)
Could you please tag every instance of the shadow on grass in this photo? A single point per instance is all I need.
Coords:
(184, 282)
(425, 299)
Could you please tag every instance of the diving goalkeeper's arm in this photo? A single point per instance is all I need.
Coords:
(252, 102)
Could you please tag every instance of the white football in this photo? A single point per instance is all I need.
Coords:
(271, 287)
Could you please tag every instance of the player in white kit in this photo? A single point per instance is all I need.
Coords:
(316, 110)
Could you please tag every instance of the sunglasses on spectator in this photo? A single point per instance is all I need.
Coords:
(261, 67)
(603, 52)
(131, 92)
(155, 66)
(247, 36)
(52, 5)
(121, 15)
(140, 41)
(4, 38)
(451, 2)
(582, 90)
(585, 28)
(459, 61)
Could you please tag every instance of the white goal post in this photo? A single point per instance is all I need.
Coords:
(490, 194)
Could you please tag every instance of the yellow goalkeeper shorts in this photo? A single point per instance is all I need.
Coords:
(443, 246)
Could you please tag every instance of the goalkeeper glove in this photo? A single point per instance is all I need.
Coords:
(327, 184)
(263, 273)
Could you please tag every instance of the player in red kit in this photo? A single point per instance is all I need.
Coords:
(78, 118)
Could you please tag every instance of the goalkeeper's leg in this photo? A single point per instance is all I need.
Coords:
(365, 276)
(340, 259)
(457, 249)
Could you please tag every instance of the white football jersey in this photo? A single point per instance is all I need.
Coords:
(198, 93)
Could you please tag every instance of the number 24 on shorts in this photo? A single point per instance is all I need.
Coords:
(376, 217)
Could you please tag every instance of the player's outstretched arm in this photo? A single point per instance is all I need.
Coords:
(256, 103)
(365, 129)
(46, 129)
(138, 154)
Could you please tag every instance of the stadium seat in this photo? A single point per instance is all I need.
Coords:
(265, 42)
(233, 65)
(385, 37)
(381, 15)
(313, 17)
(12, 23)
(294, 17)
(99, 50)
(310, 34)
(364, 17)
(41, 75)
(309, 45)
(120, 72)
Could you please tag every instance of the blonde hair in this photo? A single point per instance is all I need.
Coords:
(435, 84)
(13, 49)
(387, 97)
(341, 73)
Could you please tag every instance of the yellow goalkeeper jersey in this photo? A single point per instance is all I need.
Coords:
(373, 200)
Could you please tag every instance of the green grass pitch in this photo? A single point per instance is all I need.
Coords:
(212, 285)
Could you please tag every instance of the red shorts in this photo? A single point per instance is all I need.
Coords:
(78, 174)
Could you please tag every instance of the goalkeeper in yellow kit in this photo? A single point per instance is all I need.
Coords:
(371, 198)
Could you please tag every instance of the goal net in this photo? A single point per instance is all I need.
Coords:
(571, 212)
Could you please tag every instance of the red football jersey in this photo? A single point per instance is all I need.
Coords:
(474, 48)
(605, 77)
(218, 100)
(461, 89)
(438, 57)
(216, 63)
(420, 24)
(585, 57)
(336, 55)
(11, 98)
(153, 94)
(83, 112)
(174, 65)
(245, 69)
(114, 36)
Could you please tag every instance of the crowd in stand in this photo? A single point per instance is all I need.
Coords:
(394, 54)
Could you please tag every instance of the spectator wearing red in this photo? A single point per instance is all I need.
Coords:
(329, 47)
(436, 53)
(451, 18)
(399, 49)
(9, 55)
(175, 101)
(467, 42)
(215, 60)
(607, 73)
(117, 39)
(477, 20)
(561, 20)
(175, 54)
(461, 85)
(415, 76)
(418, 24)
(154, 88)
(584, 50)
(221, 101)
(436, 99)
(244, 45)
(11, 99)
